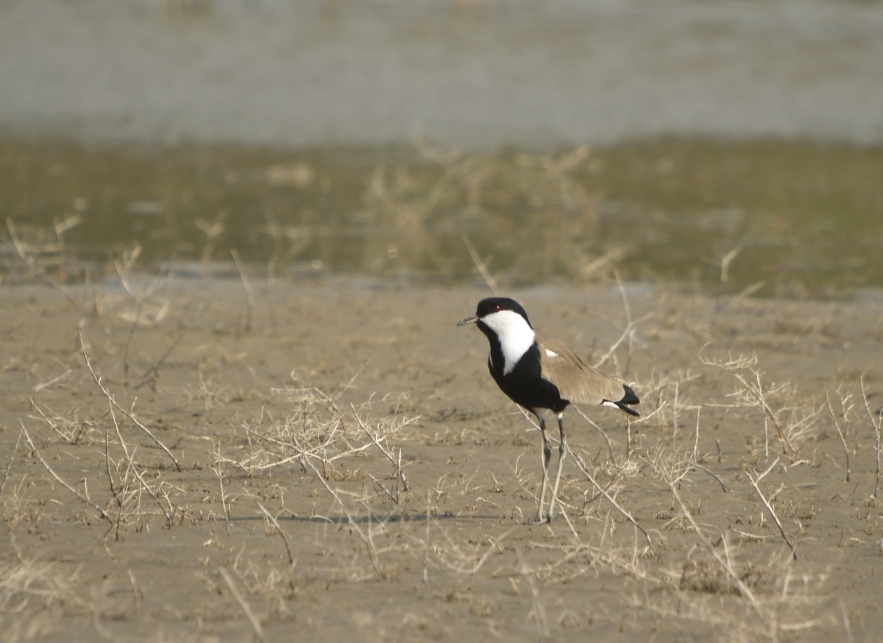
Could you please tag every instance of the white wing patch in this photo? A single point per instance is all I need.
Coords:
(551, 353)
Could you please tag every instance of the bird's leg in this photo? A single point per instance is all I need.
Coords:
(562, 451)
(547, 456)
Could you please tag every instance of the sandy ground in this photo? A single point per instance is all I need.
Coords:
(340, 466)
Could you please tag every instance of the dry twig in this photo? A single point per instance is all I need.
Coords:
(610, 499)
(366, 538)
(113, 403)
(29, 261)
(249, 295)
(281, 533)
(173, 512)
(876, 424)
(479, 264)
(255, 623)
(769, 508)
(539, 611)
(743, 588)
(752, 392)
(217, 467)
(9, 466)
(844, 400)
(396, 462)
(84, 498)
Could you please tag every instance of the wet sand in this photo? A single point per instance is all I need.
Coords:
(252, 496)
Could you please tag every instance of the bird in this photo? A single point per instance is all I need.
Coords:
(543, 375)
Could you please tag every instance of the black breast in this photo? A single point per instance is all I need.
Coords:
(524, 384)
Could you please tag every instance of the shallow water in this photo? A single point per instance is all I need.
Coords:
(283, 130)
(775, 218)
(467, 72)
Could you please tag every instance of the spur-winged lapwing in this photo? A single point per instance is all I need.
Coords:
(541, 375)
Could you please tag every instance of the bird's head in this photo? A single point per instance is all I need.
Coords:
(501, 315)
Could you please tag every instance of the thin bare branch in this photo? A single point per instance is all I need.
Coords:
(711, 473)
(539, 611)
(218, 469)
(29, 261)
(610, 499)
(9, 466)
(743, 588)
(769, 508)
(397, 463)
(131, 463)
(626, 334)
(152, 373)
(876, 424)
(281, 533)
(249, 295)
(479, 264)
(595, 426)
(255, 623)
(113, 402)
(839, 430)
(366, 538)
(83, 498)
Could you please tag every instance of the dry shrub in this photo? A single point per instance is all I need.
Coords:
(318, 429)
(314, 427)
(506, 200)
(68, 426)
(703, 574)
(132, 487)
(790, 597)
(277, 586)
(322, 438)
(792, 416)
(739, 596)
(32, 596)
(44, 252)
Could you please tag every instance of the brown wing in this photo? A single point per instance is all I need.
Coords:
(575, 379)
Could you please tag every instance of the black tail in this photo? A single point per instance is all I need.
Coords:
(628, 398)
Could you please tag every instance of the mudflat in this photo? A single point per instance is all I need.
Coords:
(328, 459)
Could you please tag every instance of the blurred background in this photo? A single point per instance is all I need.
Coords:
(723, 146)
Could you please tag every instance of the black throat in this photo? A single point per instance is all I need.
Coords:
(524, 384)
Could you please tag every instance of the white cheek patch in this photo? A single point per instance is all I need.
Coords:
(516, 336)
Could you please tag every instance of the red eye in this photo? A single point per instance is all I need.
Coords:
(497, 309)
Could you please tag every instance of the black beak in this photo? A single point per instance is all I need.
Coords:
(469, 320)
